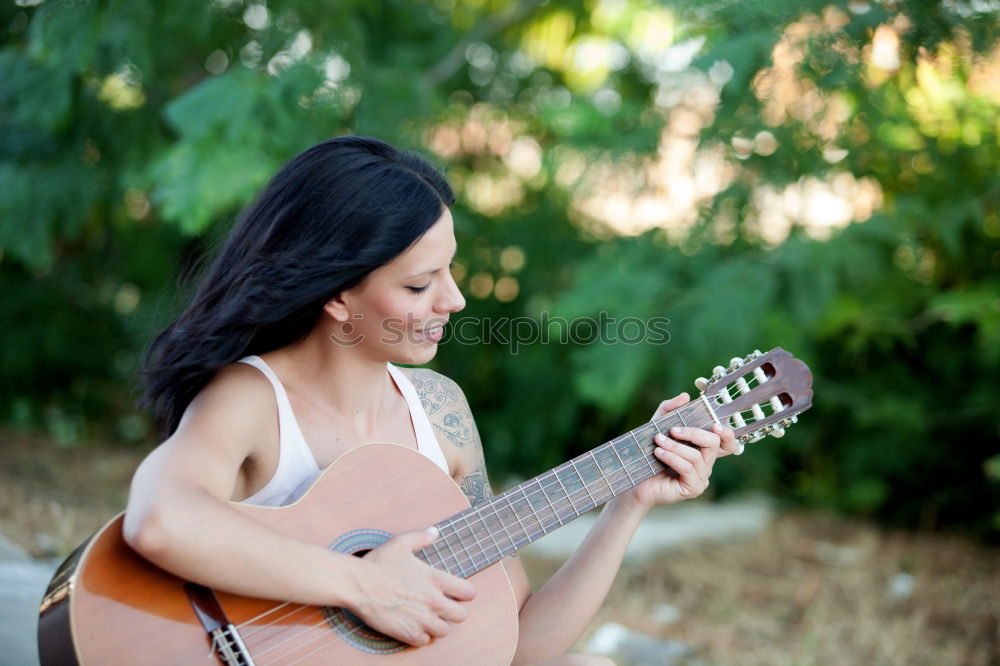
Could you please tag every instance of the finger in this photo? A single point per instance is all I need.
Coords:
(706, 440)
(691, 482)
(670, 456)
(437, 627)
(670, 405)
(456, 588)
(452, 611)
(693, 456)
(411, 633)
(416, 539)
(727, 438)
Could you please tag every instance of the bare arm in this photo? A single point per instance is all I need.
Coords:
(179, 517)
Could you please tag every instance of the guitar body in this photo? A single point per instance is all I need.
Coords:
(107, 605)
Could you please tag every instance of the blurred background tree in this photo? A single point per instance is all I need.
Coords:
(816, 175)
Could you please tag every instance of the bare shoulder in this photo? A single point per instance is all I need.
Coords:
(437, 392)
(237, 397)
(233, 416)
(446, 406)
(453, 423)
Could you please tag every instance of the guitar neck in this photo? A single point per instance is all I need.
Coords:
(482, 535)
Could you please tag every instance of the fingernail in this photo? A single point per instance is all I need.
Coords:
(433, 531)
(675, 430)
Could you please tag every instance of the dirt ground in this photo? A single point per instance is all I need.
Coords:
(812, 589)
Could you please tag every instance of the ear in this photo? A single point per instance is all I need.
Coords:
(337, 308)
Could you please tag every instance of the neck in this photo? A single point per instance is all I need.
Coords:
(477, 537)
(336, 379)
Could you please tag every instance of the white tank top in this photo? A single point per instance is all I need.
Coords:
(297, 468)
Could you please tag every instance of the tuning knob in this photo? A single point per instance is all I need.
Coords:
(701, 384)
(778, 433)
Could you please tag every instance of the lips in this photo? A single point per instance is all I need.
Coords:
(433, 333)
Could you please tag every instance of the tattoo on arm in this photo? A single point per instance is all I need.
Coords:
(435, 390)
(440, 399)
(476, 487)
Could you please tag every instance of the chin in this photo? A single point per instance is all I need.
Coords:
(414, 354)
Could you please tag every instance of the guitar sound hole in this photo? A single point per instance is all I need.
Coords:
(348, 626)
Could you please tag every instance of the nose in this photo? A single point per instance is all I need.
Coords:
(451, 299)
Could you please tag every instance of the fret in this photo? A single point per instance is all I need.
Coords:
(542, 501)
(604, 477)
(622, 463)
(548, 499)
(437, 551)
(521, 507)
(583, 481)
(490, 530)
(496, 514)
(569, 496)
(454, 557)
(513, 512)
(475, 538)
(649, 460)
(534, 513)
(575, 486)
(612, 467)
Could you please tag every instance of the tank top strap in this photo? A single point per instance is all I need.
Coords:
(427, 442)
(297, 466)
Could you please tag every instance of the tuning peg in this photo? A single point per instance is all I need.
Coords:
(701, 384)
(735, 363)
(718, 372)
(777, 433)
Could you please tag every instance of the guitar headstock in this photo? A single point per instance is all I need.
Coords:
(759, 395)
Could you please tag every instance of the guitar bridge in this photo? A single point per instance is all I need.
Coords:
(226, 640)
(228, 645)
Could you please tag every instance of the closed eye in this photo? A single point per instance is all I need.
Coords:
(417, 290)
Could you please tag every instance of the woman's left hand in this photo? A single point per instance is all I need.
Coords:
(690, 452)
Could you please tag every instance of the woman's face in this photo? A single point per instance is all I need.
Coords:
(398, 312)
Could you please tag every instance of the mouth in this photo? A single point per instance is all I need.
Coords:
(433, 333)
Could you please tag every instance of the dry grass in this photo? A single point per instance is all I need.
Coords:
(811, 590)
(814, 590)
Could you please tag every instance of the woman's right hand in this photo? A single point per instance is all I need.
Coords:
(405, 598)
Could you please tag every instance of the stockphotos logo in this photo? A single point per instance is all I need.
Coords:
(516, 332)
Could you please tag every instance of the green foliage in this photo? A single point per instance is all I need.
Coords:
(131, 133)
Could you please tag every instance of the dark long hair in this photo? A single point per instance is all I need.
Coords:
(331, 216)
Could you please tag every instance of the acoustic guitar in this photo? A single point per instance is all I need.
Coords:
(106, 605)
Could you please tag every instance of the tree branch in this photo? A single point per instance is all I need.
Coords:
(448, 65)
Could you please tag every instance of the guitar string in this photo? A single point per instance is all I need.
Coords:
(471, 518)
(533, 493)
(334, 640)
(295, 634)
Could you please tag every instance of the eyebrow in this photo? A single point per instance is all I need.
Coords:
(431, 271)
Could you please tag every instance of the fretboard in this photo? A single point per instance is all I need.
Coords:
(482, 535)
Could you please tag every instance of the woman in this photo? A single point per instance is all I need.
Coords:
(283, 362)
